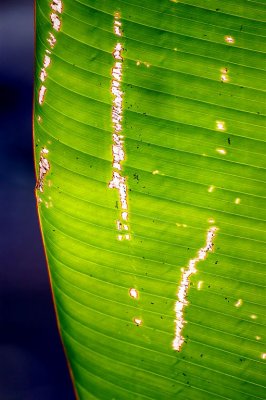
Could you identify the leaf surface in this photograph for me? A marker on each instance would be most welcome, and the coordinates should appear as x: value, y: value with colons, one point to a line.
x: 193, y: 120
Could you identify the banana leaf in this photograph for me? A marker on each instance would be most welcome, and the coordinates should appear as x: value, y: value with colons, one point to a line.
x: 149, y: 139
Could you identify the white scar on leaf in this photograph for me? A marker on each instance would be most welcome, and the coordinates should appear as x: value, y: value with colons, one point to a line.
x: 182, y: 302
x: 56, y: 7
x: 44, y: 167
x: 118, y: 180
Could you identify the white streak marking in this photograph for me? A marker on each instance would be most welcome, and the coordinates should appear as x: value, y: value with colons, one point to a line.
x: 41, y: 94
x: 138, y: 321
x: 229, y: 39
x: 237, y: 200
x: 263, y: 356
x: 55, y: 21
x: 46, y: 61
x: 124, y: 215
x: 211, y: 189
x: 51, y: 40
x: 253, y: 316
x: 56, y: 5
x: 183, y: 288
x: 117, y: 25
x: 118, y: 181
x: 224, y: 78
x: 133, y: 293
x: 220, y: 125
x: 43, y: 74
x: 44, y: 167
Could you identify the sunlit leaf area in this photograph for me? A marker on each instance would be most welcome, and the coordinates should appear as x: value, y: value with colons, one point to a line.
x: 150, y: 155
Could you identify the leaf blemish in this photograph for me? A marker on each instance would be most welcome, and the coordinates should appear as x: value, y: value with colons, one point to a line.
x: 184, y: 285
x: 56, y: 5
x: 55, y: 21
x: 44, y: 167
x: 42, y: 92
x: 133, y: 293
x: 118, y: 154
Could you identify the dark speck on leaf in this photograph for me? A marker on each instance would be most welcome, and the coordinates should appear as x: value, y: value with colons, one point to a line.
x: 229, y: 140
x: 201, y: 355
x: 135, y: 176
x: 116, y: 204
x: 152, y: 303
x: 216, y: 262
x: 217, y: 9
x: 241, y: 27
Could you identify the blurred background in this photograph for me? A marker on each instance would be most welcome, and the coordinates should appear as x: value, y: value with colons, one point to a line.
x: 32, y: 362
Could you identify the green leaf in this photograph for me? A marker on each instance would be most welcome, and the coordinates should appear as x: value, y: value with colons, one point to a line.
x: 191, y: 90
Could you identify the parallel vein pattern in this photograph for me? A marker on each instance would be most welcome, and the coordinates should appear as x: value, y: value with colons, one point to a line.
x: 171, y: 97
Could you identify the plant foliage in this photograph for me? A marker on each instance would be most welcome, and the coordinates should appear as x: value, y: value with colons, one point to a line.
x: 193, y: 124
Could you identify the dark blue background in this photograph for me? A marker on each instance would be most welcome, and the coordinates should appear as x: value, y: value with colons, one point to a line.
x: 32, y: 362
